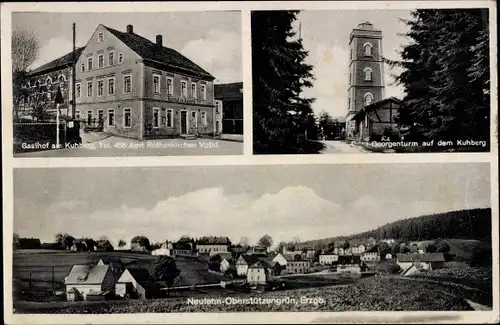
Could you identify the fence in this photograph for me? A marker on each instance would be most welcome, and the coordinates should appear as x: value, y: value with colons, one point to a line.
x: 32, y: 136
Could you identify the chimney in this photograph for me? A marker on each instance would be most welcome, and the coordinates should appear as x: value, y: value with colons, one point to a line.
x: 130, y: 29
x: 159, y: 40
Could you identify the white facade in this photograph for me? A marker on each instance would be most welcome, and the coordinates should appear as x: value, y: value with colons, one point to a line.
x: 370, y: 257
x: 209, y: 248
x: 360, y: 249
x: 121, y: 285
x: 162, y: 252
x: 224, y: 265
x: 328, y: 259
x: 280, y: 259
x: 293, y: 267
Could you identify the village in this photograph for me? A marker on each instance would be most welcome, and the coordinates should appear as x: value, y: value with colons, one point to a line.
x: 237, y: 266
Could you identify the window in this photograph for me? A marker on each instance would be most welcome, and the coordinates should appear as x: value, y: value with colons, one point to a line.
x: 100, y: 87
x: 100, y: 60
x: 204, y: 118
x: 368, y: 74
x: 368, y: 99
x: 170, y: 118
x: 111, y: 117
x: 368, y: 49
x: 156, y: 117
x: 100, y: 37
x: 127, y: 84
x: 78, y: 90
x: 193, y: 117
x: 111, y: 86
x: 89, y: 117
x: 77, y: 115
x: 120, y: 58
x: 203, y: 92
x: 156, y: 83
x: 89, y: 89
x: 366, y: 121
x: 193, y: 90
x: 184, y: 88
x: 100, y: 116
x: 82, y: 68
x: 127, y: 118
x: 218, y: 104
x: 170, y: 86
x: 111, y: 58
x: 89, y: 63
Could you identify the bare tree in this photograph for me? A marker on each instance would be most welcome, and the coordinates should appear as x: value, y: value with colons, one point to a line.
x: 25, y: 49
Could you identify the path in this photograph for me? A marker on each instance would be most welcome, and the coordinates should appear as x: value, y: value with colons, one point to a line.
x: 338, y: 146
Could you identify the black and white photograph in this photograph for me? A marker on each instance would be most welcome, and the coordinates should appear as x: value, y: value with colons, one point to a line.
x: 127, y: 84
x: 364, y: 81
x: 260, y: 238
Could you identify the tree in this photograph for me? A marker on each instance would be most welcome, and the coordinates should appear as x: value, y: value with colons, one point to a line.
x: 165, y: 270
x: 431, y: 248
x: 142, y: 241
x: 443, y: 247
x: 244, y: 241
x: 346, y: 245
x: 281, y: 114
x: 103, y: 237
x: 446, y: 75
x: 328, y: 125
x: 15, y: 240
x: 281, y: 246
x: 64, y: 240
x: 25, y: 50
x: 122, y: 243
x: 266, y: 241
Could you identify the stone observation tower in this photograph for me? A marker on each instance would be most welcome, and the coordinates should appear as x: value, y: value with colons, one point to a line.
x: 366, y: 71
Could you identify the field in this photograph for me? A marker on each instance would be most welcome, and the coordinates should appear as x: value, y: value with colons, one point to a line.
x: 368, y: 294
x: 37, y: 272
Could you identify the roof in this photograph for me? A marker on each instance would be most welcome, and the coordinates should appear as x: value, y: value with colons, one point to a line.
x: 260, y: 264
x: 57, y: 63
x: 250, y: 259
x: 213, y: 241
x: 427, y: 257
x: 226, y: 256
x: 229, y: 91
x: 376, y: 104
x: 163, y: 55
x: 141, y: 275
x: 87, y: 274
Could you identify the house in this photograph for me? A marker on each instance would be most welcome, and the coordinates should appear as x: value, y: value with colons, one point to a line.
x: 138, y: 246
x: 141, y: 89
x: 370, y: 257
x: 47, y: 79
x: 103, y: 246
x: 419, y: 262
x: 377, y: 119
x: 243, y: 263
x: 89, y: 279
x: 370, y: 242
x: 135, y: 283
x: 260, y: 272
x: 229, y: 102
x: 328, y: 259
x: 116, y: 264
x: 350, y: 264
x: 295, y: 266
x: 206, y: 245
x: 83, y: 245
x: 29, y: 243
x: 257, y: 250
x: 358, y: 249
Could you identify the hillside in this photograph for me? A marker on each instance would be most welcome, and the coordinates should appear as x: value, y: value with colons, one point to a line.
x: 474, y: 224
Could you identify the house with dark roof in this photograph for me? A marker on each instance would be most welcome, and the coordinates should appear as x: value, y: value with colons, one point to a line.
x: 140, y: 89
x: 135, y: 283
x: 243, y: 263
x: 45, y: 81
x: 377, y: 120
x: 212, y: 245
x: 261, y: 272
x: 415, y: 262
x: 29, y: 243
x: 229, y: 101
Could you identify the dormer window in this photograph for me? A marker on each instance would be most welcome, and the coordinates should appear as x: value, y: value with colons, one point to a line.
x: 100, y: 38
x: 368, y: 49
x: 368, y: 74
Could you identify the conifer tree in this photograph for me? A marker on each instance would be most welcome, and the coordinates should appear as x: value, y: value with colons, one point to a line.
x: 446, y: 75
x: 280, y: 113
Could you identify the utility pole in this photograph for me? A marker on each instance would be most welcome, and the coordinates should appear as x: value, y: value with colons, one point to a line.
x: 73, y: 76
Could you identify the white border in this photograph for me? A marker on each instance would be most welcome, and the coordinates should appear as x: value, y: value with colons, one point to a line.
x: 247, y: 159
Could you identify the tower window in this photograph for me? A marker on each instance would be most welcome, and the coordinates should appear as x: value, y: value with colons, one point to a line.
x: 368, y: 99
x: 368, y: 74
x: 368, y: 49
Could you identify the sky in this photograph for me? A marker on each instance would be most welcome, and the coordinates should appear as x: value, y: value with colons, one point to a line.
x: 210, y: 39
x: 284, y: 201
x: 326, y: 36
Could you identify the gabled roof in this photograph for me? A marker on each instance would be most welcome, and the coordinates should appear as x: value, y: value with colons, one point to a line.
x: 213, y: 241
x: 260, y: 264
x: 250, y: 259
x: 60, y: 62
x: 225, y: 256
x: 87, y: 274
x: 376, y: 104
x: 229, y: 91
x: 163, y: 55
x: 141, y: 275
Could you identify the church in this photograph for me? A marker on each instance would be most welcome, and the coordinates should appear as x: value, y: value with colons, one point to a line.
x: 370, y: 116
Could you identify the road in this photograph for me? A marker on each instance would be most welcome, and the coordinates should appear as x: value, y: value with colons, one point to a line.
x: 338, y: 146
x: 111, y: 146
